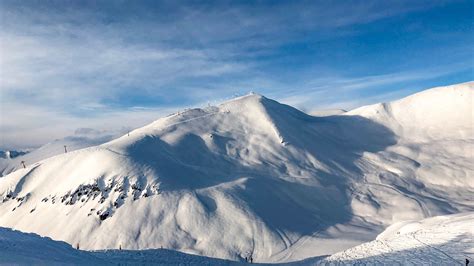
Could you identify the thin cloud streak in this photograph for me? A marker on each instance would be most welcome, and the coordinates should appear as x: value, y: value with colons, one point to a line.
x: 33, y: 126
x: 318, y: 92
x: 69, y: 65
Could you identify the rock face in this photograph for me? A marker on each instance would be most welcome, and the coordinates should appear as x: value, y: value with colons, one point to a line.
x: 254, y: 177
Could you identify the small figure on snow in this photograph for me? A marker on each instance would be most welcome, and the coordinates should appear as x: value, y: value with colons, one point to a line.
x: 467, y: 262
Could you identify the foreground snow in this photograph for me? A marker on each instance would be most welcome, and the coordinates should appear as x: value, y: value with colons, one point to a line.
x: 20, y: 248
x: 442, y: 240
x: 253, y: 177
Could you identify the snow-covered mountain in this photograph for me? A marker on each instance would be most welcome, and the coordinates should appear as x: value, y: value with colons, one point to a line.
x: 327, y: 112
x: 83, y: 138
x: 10, y: 154
x: 253, y: 177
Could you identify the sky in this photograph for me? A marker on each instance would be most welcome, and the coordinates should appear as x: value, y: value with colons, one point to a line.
x: 110, y: 65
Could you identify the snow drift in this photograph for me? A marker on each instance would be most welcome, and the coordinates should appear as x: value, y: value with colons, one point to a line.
x: 253, y: 177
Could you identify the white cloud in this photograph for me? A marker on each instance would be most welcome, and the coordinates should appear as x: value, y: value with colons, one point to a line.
x: 65, y: 67
x: 26, y: 126
x: 342, y: 92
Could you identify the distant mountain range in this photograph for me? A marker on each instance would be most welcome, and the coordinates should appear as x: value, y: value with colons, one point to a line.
x: 11, y: 154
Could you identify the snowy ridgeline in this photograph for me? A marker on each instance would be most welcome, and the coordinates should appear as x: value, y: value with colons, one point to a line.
x: 442, y: 240
x: 17, y: 248
x: 283, y: 185
x: 83, y: 137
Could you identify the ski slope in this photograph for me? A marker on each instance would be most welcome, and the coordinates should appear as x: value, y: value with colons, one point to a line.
x: 441, y: 240
x: 18, y: 248
x: 253, y: 177
x: 72, y: 143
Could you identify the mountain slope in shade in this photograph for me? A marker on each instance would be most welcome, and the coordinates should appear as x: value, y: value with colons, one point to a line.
x: 10, y: 154
x: 18, y: 248
x: 253, y: 177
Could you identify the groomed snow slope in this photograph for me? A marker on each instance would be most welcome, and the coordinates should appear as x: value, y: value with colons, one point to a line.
x: 254, y: 177
x: 441, y: 240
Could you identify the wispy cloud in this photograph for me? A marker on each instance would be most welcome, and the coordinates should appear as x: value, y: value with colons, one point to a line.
x: 319, y: 93
x: 26, y: 126
x: 65, y: 65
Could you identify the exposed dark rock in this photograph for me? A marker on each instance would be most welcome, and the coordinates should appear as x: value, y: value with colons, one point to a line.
x: 103, y: 216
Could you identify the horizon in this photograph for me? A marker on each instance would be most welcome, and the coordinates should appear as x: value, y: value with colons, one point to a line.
x: 113, y: 65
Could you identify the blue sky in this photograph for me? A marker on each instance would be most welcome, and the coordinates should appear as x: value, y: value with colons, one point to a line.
x: 114, y: 64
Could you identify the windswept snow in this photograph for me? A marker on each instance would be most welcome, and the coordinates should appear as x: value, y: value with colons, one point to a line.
x: 441, y: 240
x: 255, y: 177
x: 18, y: 248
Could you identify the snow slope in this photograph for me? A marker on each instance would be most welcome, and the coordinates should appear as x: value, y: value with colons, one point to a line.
x: 442, y: 240
x: 327, y: 112
x: 255, y: 177
x: 72, y: 143
x: 18, y: 248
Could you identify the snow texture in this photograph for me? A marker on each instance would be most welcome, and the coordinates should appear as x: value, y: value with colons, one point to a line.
x: 442, y: 240
x: 17, y: 248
